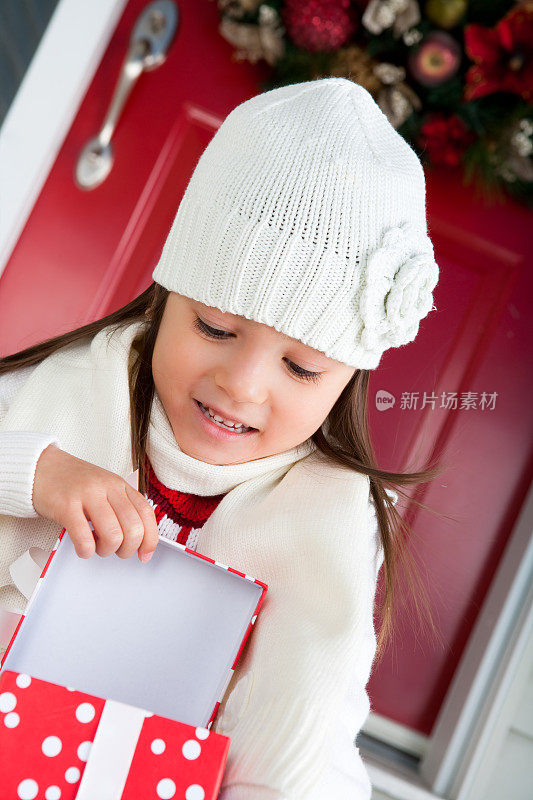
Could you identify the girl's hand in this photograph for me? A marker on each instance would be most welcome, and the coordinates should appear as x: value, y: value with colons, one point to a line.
x: 69, y: 491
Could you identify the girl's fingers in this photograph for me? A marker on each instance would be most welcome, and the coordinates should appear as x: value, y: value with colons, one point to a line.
x: 107, y: 528
x: 146, y: 513
x: 123, y: 521
x: 131, y: 524
x: 77, y: 527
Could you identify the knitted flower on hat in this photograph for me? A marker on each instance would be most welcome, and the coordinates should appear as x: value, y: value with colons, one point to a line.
x: 400, y: 277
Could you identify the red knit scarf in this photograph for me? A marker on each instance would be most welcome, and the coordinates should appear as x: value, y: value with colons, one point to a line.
x: 179, y: 515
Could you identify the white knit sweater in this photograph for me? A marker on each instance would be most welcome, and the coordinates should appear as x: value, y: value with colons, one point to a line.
x: 268, y: 760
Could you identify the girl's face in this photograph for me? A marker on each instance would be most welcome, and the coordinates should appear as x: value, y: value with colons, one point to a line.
x: 250, y: 372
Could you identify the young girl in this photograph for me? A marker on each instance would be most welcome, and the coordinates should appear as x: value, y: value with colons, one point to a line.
x: 237, y: 385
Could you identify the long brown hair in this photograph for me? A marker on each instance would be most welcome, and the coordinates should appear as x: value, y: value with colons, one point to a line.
x: 347, y: 443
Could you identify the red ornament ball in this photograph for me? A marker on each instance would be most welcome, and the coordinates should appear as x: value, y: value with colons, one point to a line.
x: 316, y: 25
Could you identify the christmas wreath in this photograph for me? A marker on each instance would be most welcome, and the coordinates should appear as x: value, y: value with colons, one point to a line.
x: 454, y: 77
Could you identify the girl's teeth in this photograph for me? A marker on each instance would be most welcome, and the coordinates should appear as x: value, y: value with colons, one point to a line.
x: 220, y: 421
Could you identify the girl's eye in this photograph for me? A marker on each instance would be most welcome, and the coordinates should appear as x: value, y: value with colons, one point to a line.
x: 215, y: 333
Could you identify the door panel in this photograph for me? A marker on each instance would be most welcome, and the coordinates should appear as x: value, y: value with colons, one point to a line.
x: 480, y: 339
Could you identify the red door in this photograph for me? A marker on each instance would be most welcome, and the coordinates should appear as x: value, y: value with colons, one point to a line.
x: 463, y: 390
x: 82, y: 254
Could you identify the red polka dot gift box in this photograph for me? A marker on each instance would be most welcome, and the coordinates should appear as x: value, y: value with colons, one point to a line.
x: 55, y: 746
x: 115, y: 673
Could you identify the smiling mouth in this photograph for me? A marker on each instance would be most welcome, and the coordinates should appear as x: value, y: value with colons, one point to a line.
x: 244, y: 428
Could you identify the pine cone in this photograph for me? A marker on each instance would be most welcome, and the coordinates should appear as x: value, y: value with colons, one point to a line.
x: 354, y: 63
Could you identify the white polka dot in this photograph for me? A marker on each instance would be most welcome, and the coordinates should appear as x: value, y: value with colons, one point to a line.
x: 85, y: 712
x: 201, y: 733
x: 194, y: 792
x: 166, y: 789
x: 8, y: 701
x: 52, y: 793
x: 72, y: 775
x: 27, y: 789
x: 83, y: 751
x: 70, y: 689
x: 51, y: 746
x: 158, y: 746
x: 23, y: 681
x: 191, y: 749
x: 11, y: 720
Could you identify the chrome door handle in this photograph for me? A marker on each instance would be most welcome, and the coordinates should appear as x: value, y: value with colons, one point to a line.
x: 149, y: 43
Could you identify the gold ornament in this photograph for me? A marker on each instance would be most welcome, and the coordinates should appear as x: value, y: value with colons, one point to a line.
x: 515, y: 149
x: 395, y: 98
x: 253, y: 42
x: 238, y: 8
x: 445, y: 13
x: 400, y: 15
x: 412, y: 36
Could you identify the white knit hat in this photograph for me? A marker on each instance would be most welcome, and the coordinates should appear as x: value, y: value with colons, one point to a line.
x: 307, y: 212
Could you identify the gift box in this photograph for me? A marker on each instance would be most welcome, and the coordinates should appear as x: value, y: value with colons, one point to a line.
x: 146, y: 650
x: 61, y: 743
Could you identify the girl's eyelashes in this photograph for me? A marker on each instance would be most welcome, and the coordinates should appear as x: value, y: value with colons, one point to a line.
x: 215, y: 333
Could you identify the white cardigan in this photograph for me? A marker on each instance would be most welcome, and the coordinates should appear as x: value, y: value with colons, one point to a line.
x: 297, y: 698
